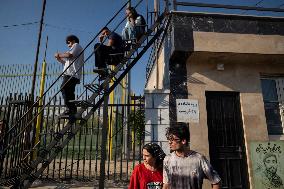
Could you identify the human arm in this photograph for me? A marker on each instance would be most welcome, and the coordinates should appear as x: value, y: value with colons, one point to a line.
x: 210, y: 173
x: 102, y: 37
x: 134, y: 180
x: 63, y: 55
x: 59, y: 56
x: 216, y: 186
x: 165, y: 174
x: 165, y: 186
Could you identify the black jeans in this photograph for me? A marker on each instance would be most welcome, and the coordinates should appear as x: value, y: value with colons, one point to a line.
x: 103, y: 58
x: 68, y: 92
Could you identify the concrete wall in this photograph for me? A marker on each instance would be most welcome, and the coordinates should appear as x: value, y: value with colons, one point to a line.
x: 245, y: 47
x: 157, y: 117
x: 243, y: 57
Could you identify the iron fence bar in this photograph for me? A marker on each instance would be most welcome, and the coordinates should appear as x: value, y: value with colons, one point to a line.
x: 103, y: 141
x: 122, y: 143
x: 91, y: 146
x: 85, y: 144
x: 7, y: 137
x: 140, y: 138
x: 109, y: 141
x: 79, y: 150
x: 116, y: 146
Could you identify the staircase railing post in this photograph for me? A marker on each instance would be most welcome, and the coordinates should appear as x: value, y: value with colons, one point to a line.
x: 103, y: 140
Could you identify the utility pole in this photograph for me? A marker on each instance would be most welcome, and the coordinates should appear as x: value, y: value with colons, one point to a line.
x: 37, y: 51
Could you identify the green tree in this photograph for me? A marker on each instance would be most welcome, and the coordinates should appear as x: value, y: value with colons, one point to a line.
x: 137, y: 124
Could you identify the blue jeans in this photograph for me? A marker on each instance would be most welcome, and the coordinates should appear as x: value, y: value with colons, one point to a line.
x: 128, y: 32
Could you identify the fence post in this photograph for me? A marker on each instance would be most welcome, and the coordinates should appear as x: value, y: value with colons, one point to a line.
x: 110, y: 121
x: 104, y: 138
x: 39, y: 117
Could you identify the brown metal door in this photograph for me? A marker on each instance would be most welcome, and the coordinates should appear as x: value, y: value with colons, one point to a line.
x: 226, y: 139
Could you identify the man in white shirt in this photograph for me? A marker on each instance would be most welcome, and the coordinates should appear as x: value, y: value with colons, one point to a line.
x: 73, y: 61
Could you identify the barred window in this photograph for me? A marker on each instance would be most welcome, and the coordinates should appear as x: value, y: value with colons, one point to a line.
x: 273, y: 97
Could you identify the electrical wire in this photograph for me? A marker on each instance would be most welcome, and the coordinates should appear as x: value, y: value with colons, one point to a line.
x: 65, y: 28
x: 280, y: 5
x: 16, y: 25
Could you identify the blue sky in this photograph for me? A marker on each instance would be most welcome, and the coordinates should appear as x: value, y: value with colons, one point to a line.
x: 83, y: 18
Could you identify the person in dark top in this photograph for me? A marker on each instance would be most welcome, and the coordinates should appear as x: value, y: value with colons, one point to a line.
x: 110, y: 54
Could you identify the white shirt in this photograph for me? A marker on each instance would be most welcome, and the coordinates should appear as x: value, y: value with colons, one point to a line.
x: 75, y: 70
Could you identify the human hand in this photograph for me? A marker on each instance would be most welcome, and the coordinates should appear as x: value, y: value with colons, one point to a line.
x: 130, y: 15
x: 101, y: 37
x: 56, y: 55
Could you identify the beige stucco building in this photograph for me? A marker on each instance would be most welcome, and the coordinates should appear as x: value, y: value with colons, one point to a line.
x: 234, y: 67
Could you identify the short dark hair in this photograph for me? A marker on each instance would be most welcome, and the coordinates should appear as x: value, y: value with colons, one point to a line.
x: 105, y: 28
x: 180, y: 130
x: 133, y: 12
x: 72, y: 38
x: 156, y: 151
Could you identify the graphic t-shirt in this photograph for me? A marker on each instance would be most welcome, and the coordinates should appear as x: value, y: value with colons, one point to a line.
x: 143, y: 178
x: 188, y: 172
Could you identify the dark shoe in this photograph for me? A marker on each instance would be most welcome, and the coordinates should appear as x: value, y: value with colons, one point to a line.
x: 100, y: 71
x: 65, y: 113
x: 102, y: 77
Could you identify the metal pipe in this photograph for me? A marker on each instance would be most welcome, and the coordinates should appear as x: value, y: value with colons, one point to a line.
x: 104, y: 138
x: 42, y: 83
x: 37, y: 50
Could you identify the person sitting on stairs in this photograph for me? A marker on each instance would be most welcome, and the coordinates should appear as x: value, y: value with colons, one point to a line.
x: 110, y: 54
x: 135, y: 25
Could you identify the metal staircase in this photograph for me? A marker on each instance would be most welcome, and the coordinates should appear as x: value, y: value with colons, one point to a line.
x: 29, y: 171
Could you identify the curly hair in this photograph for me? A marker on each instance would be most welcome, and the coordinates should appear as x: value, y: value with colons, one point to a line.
x: 72, y: 38
x: 156, y: 151
x: 180, y: 130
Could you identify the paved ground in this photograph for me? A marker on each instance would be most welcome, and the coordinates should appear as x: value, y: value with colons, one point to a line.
x: 75, y: 185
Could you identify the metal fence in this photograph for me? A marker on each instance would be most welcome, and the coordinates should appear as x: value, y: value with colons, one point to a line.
x: 80, y: 159
x: 17, y: 78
